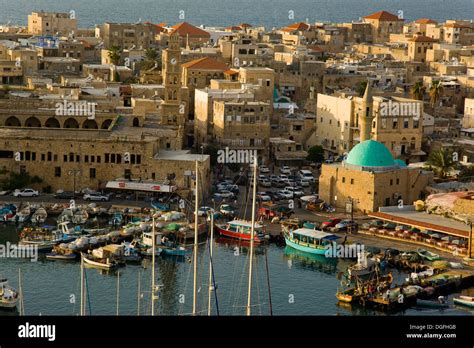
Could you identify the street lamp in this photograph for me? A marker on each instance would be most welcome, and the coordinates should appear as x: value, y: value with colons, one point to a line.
x: 74, y: 172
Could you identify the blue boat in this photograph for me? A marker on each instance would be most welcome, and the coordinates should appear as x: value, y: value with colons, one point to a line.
x: 116, y: 219
x: 160, y: 206
x: 309, y: 241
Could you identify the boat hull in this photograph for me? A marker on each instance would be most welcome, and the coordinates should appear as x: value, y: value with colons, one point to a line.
x: 306, y: 249
x: 236, y: 235
x: 100, y: 265
x: 462, y: 302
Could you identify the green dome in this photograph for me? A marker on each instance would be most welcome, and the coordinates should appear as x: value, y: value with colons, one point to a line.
x: 401, y: 163
x: 370, y: 153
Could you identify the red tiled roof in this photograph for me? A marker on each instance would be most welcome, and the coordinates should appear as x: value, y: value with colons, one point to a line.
x: 231, y: 72
x: 384, y: 16
x: 234, y: 27
x: 185, y: 29
x: 206, y: 63
x: 426, y: 21
x: 454, y: 25
x: 422, y: 38
x: 245, y: 25
x: 315, y: 48
x: 300, y: 26
x: 158, y: 27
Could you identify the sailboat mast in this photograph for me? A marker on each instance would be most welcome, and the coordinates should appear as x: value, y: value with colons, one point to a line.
x: 20, y: 290
x: 196, y: 208
x: 252, y: 235
x: 82, y: 286
x: 153, y: 237
x: 118, y: 292
x: 210, y: 264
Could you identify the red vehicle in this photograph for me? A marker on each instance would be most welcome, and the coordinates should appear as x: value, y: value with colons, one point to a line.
x: 269, y: 211
x: 332, y: 222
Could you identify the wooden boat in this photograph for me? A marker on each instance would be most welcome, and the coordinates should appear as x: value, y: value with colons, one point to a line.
x: 39, y: 216
x: 116, y: 219
x: 432, y: 304
x: 8, y: 295
x: 101, y: 263
x: 428, y: 255
x: 42, y: 238
x: 309, y: 240
x: 24, y: 214
x: 66, y: 215
x: 241, y: 229
x: 467, y: 301
x: 364, y: 266
x: 174, y: 250
x: 60, y: 256
x: 349, y: 295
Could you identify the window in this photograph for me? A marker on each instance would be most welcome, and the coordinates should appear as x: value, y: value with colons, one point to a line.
x: 405, y: 123
x: 391, y: 182
x: 398, y: 181
x: 57, y: 172
x: 343, y: 179
x: 92, y: 173
x: 394, y: 123
x: 352, y: 181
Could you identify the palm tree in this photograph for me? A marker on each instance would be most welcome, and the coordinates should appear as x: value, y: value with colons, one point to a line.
x: 436, y: 90
x: 441, y: 162
x: 152, y: 58
x: 115, y: 54
x: 360, y: 89
x: 418, y: 90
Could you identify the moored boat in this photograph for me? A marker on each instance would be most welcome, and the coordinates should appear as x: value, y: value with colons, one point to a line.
x: 241, y: 229
x: 428, y: 255
x: 96, y: 261
x: 309, y: 240
x: 39, y: 216
x: 24, y: 214
x: 60, y: 256
x: 8, y: 213
x: 8, y: 295
x: 467, y: 301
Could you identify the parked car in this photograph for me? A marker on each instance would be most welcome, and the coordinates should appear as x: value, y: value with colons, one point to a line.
x: 64, y: 195
x: 285, y: 194
x: 280, y: 183
x: 285, y: 170
x: 303, y: 183
x: 264, y: 169
x: 274, y: 178
x: 264, y: 197
x: 227, y: 210
x: 95, y: 196
x: 223, y: 194
x: 332, y: 222
x: 296, y: 191
x: 204, y: 210
x: 306, y: 175
x: 27, y: 192
x: 346, y: 225
x: 266, y: 183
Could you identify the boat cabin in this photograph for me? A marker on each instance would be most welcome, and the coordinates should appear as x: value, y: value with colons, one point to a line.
x: 311, y: 237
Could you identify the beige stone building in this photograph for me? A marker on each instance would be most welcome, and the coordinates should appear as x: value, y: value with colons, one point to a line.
x: 51, y: 23
x: 127, y: 35
x: 383, y: 24
x: 418, y: 47
x: 371, y: 178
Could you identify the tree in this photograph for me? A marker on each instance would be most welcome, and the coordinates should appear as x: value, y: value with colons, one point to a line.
x: 466, y: 174
x: 418, y: 90
x: 115, y: 54
x: 436, y: 90
x: 441, y: 162
x: 17, y: 180
x: 361, y: 87
x: 152, y: 58
x: 315, y: 154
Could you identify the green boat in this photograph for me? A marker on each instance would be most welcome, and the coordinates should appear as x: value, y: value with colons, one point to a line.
x: 467, y: 301
x: 309, y: 241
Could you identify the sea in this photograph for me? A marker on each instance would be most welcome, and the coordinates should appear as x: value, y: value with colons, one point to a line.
x: 268, y: 13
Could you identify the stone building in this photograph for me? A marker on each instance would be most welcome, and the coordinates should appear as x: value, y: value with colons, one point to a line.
x: 371, y: 178
x: 383, y: 24
x: 50, y: 23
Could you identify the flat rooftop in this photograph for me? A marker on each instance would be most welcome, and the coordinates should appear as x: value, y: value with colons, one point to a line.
x: 422, y: 220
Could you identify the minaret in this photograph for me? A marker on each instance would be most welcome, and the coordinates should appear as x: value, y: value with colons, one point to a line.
x: 365, y: 120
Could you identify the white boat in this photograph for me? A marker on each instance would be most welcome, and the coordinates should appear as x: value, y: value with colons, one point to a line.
x: 66, y: 215
x: 8, y: 295
x: 97, y: 262
x: 39, y: 216
x: 24, y: 214
x: 80, y: 216
x: 363, y: 267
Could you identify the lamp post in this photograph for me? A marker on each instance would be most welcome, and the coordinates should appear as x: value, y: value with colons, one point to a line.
x: 74, y: 172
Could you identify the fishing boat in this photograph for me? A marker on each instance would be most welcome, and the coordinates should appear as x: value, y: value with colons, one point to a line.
x: 39, y: 216
x: 467, y: 301
x: 80, y: 216
x: 8, y: 213
x: 8, y: 295
x: 116, y: 219
x: 428, y: 255
x: 66, y: 215
x: 61, y: 256
x: 309, y: 240
x: 364, y: 266
x: 24, y: 214
x: 99, y: 259
x: 241, y: 229
x: 42, y: 238
x: 439, y: 304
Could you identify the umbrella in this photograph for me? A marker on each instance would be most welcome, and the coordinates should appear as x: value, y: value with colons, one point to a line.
x: 435, y: 236
x: 447, y: 238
